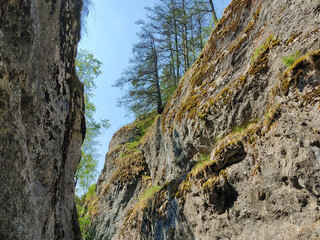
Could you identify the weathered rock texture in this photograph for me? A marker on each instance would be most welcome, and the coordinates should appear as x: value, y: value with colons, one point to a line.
x: 258, y: 122
x: 41, y: 118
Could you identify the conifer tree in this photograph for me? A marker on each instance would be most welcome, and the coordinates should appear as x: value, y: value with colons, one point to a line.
x: 142, y: 75
x: 170, y: 41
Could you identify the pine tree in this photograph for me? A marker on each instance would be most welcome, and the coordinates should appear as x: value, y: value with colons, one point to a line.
x: 169, y: 42
x: 142, y: 75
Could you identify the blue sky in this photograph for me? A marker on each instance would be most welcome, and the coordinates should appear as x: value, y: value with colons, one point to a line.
x: 111, y: 33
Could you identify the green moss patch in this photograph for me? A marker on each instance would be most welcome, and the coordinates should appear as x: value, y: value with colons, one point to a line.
x: 208, y: 61
x: 149, y: 193
x: 144, y: 201
x: 290, y: 60
x: 130, y: 165
x: 290, y: 77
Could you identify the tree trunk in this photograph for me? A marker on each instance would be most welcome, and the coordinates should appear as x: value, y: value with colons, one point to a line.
x: 214, y: 15
x: 156, y: 71
x: 200, y: 33
x: 172, y: 64
x: 185, y: 38
x: 175, y: 26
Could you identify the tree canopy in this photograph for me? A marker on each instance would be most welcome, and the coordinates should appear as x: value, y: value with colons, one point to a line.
x: 88, y: 69
x: 170, y: 40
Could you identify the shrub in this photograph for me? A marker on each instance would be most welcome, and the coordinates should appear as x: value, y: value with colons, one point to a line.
x: 263, y: 47
x: 204, y: 158
x: 290, y: 60
x: 239, y: 129
x: 144, y: 121
x: 257, y: 52
x: 149, y: 193
x: 133, y: 145
x: 86, y: 209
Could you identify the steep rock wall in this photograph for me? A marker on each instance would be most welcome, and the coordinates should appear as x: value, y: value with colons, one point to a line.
x: 236, y: 153
x: 41, y: 118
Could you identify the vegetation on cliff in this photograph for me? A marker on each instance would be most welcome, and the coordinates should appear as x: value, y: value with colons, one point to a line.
x: 237, y: 143
x: 169, y: 42
x: 86, y: 210
x: 88, y: 68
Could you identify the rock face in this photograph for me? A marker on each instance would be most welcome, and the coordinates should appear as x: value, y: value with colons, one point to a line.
x: 41, y: 118
x: 236, y: 152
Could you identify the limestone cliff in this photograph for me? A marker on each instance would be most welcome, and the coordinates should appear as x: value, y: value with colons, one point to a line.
x: 41, y: 118
x: 236, y: 153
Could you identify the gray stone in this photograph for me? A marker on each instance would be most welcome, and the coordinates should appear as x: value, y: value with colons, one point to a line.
x: 263, y: 177
x: 41, y: 119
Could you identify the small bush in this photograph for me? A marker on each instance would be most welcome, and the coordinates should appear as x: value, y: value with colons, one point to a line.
x: 257, y: 52
x: 86, y: 209
x: 262, y: 48
x: 244, y: 127
x: 204, y: 158
x: 133, y: 145
x: 144, y: 121
x: 149, y: 193
x: 290, y: 60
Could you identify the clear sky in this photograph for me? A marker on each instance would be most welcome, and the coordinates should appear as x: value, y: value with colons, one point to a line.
x: 111, y: 33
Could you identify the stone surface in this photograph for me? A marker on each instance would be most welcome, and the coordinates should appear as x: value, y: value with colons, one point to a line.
x: 124, y: 135
x: 256, y: 120
x: 41, y: 119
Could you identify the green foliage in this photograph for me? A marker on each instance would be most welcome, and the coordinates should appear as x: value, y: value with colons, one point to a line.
x: 85, y: 208
x: 133, y: 145
x: 149, y: 193
x: 168, y: 85
x: 86, y: 171
x: 144, y: 200
x: 262, y: 48
x: 239, y: 129
x: 217, y: 139
x: 208, y: 29
x: 144, y: 121
x: 204, y: 158
x: 88, y: 69
x: 258, y: 51
x: 91, y: 191
x: 170, y: 41
x: 290, y: 60
x: 216, y: 21
x: 142, y: 75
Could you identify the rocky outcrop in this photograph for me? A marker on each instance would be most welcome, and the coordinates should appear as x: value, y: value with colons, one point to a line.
x: 236, y: 152
x: 41, y: 119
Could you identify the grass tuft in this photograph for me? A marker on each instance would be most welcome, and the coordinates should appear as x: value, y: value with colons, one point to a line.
x: 204, y: 158
x: 290, y: 60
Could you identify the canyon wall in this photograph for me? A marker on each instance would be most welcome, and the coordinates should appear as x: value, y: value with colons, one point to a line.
x: 41, y: 118
x: 236, y: 152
